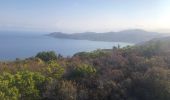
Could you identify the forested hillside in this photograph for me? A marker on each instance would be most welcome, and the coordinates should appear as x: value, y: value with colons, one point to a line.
x: 129, y: 36
x: 130, y: 73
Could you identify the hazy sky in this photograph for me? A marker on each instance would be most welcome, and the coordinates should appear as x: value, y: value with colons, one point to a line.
x: 84, y: 15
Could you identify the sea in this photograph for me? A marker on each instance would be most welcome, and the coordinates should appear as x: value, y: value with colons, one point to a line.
x: 24, y: 44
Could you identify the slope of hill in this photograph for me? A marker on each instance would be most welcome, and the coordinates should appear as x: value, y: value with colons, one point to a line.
x: 130, y: 36
x: 161, y: 44
x: 119, y: 74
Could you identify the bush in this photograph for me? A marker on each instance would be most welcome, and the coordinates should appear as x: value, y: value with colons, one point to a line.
x: 7, y: 90
x: 54, y: 70
x: 65, y: 90
x: 83, y: 70
x: 22, y: 85
x: 47, y: 56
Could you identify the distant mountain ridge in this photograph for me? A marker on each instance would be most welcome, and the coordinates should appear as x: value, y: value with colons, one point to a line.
x: 129, y: 36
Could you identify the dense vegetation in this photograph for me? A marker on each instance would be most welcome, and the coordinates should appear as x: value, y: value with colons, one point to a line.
x: 131, y: 73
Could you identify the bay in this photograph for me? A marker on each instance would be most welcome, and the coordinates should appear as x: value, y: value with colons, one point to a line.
x: 22, y: 46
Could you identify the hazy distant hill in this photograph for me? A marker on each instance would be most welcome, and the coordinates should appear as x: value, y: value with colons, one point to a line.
x: 162, y: 44
x: 130, y: 36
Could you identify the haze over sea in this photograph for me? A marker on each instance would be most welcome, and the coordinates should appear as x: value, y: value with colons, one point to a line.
x: 22, y: 45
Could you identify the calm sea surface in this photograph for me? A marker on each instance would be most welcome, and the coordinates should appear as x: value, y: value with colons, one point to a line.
x: 14, y: 46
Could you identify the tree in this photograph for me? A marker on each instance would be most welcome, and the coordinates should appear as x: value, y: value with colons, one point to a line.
x: 47, y: 56
x: 7, y: 90
x: 23, y: 85
x: 54, y: 70
x: 65, y: 90
x: 83, y: 70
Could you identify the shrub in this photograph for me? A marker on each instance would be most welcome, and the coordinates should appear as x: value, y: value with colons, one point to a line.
x: 47, y: 56
x: 65, y: 90
x: 7, y: 90
x: 83, y: 70
x: 54, y: 70
x: 22, y: 85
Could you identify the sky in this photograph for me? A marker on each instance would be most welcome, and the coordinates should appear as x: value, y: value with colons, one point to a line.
x: 84, y: 15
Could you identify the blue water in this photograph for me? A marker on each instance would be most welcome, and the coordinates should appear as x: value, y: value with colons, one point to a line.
x: 22, y: 46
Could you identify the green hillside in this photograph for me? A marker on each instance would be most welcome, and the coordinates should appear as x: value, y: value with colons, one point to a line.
x: 130, y: 73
